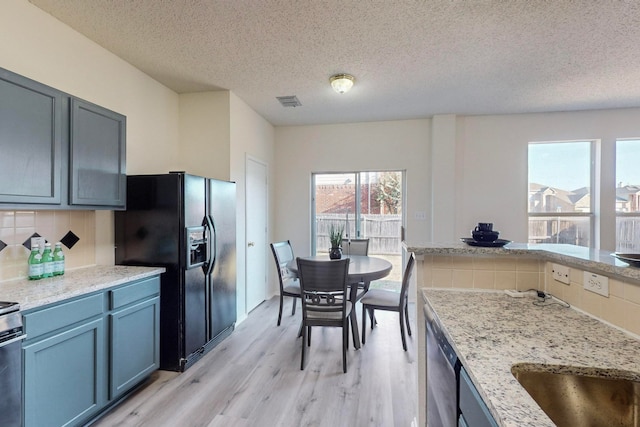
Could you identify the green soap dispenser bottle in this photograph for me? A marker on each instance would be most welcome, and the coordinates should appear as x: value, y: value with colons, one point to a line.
x: 58, y: 260
x: 36, y: 268
x: 47, y: 261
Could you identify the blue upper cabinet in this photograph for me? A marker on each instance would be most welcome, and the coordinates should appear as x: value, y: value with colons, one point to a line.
x: 57, y: 151
x: 31, y: 127
x: 97, y: 171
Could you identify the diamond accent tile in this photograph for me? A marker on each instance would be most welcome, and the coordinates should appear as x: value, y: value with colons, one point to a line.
x: 2, y: 245
x: 27, y: 243
x: 69, y: 239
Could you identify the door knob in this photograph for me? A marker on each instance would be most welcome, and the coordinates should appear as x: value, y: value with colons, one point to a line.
x: 251, y: 244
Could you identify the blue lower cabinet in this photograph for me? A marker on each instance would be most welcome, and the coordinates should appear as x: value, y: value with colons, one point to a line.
x: 135, y: 332
x: 82, y: 354
x: 64, y: 380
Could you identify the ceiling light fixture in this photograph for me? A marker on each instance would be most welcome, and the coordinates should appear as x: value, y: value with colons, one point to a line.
x: 342, y: 83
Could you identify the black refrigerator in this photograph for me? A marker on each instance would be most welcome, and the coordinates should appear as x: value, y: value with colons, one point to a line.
x: 187, y: 224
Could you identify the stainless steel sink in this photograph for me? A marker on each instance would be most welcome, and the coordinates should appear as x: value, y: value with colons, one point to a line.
x: 582, y: 397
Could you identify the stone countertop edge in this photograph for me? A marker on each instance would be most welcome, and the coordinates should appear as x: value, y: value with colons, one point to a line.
x: 598, y: 261
x: 491, y: 332
x: 32, y: 294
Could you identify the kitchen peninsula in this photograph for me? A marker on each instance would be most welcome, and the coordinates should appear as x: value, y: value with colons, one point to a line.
x: 468, y: 273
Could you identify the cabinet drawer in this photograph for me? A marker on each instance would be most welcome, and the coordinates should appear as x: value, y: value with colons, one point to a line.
x: 49, y: 319
x: 473, y: 409
x: 134, y: 292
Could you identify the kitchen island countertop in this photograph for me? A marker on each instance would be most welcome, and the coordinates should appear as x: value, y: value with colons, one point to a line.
x: 492, y: 331
x: 595, y: 260
x: 36, y: 293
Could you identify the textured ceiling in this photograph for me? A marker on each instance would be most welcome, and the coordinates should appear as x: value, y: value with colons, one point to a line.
x: 411, y: 59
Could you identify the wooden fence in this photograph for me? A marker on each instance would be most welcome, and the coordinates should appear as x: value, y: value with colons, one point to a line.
x: 574, y: 231
x: 628, y: 234
x: 383, y: 231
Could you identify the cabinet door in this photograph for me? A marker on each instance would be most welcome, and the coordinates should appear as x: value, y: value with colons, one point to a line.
x: 31, y: 117
x: 135, y: 345
x: 98, y: 176
x: 64, y: 376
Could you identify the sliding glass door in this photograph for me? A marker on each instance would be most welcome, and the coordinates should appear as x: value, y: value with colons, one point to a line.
x: 369, y: 205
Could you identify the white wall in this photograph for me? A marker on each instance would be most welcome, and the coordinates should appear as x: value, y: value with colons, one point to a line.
x: 205, y: 134
x: 489, y: 179
x: 376, y: 146
x: 251, y: 135
x: 38, y: 46
x: 164, y: 129
x: 217, y: 131
x: 491, y: 184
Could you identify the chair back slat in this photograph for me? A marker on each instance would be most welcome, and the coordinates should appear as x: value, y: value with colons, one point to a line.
x: 283, y: 254
x: 324, y: 287
x: 355, y: 247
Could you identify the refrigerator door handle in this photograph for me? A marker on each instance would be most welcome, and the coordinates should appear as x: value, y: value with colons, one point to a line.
x: 211, y: 245
x: 214, y: 241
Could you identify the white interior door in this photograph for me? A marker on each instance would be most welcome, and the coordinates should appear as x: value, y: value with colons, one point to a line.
x: 256, y: 233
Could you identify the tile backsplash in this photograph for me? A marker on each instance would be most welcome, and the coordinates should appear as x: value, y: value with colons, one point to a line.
x: 482, y: 272
x: 620, y: 308
x: 17, y: 226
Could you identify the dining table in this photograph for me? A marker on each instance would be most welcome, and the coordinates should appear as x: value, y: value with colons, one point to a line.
x: 362, y: 269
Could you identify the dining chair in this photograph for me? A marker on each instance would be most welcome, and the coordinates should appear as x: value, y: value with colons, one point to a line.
x: 382, y: 299
x: 355, y: 247
x: 289, y: 283
x: 325, y: 301
x: 358, y: 247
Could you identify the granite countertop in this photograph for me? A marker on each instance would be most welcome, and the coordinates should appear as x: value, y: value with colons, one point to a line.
x: 595, y: 260
x: 36, y: 293
x: 492, y: 331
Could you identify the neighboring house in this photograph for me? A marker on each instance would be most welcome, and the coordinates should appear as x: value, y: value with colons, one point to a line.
x: 628, y: 198
x: 581, y: 199
x: 340, y: 199
x: 543, y: 198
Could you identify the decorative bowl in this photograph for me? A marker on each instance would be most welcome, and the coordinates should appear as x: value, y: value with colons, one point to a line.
x: 485, y: 236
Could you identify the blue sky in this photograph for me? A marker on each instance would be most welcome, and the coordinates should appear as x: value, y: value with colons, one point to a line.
x: 561, y: 165
x: 628, y: 162
x: 566, y: 165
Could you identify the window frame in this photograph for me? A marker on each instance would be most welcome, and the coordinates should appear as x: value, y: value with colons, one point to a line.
x: 593, y: 189
x: 620, y: 214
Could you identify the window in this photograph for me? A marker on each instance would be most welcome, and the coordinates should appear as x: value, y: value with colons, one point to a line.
x: 368, y: 205
x: 627, y: 195
x: 560, y: 183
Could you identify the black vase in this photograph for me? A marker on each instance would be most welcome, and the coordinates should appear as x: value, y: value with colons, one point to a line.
x: 335, y: 253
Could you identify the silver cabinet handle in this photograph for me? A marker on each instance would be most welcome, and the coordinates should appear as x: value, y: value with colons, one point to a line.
x: 251, y: 244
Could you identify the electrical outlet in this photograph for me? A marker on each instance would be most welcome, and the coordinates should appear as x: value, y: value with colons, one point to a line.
x: 596, y: 283
x: 560, y: 273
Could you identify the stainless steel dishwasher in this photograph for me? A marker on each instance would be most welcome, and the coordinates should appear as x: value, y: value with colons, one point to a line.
x: 443, y: 368
x: 11, y: 336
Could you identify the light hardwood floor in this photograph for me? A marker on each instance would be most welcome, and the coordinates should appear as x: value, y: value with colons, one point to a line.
x: 253, y: 378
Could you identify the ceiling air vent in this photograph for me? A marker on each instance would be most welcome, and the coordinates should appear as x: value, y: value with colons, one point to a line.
x: 289, y: 101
